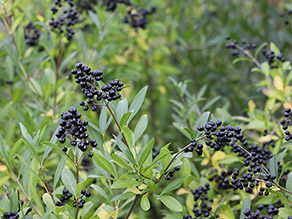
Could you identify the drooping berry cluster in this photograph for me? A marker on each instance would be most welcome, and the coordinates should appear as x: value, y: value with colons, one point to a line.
x: 258, y: 213
x: 170, y: 174
x: 272, y: 58
x: 203, y: 205
x: 286, y: 16
x: 66, y: 197
x: 65, y: 19
x: 31, y: 34
x: 233, y: 45
x: 72, y: 127
x: 285, y: 123
x: 87, y: 80
x: 81, y: 201
x: 138, y: 18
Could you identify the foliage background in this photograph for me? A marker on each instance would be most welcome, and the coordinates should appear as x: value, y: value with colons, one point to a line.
x: 184, y: 41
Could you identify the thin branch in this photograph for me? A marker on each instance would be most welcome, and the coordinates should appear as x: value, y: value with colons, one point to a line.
x: 22, y: 189
x: 47, y: 185
x: 245, y: 52
x: 132, y: 206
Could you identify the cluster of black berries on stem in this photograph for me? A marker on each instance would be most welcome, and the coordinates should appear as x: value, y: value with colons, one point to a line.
x: 81, y: 200
x: 63, y: 199
x: 203, y: 205
x: 234, y: 45
x: 285, y: 123
x: 31, y: 34
x: 67, y: 17
x: 286, y: 16
x: 88, y: 79
x: 72, y: 127
x: 272, y: 58
x: 248, y: 214
x: 138, y: 18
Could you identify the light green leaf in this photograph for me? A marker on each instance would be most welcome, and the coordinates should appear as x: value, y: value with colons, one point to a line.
x: 141, y: 126
x: 173, y: 185
x: 129, y: 135
x: 137, y: 102
x: 171, y: 203
x: 145, y: 203
x: 145, y: 152
x: 69, y: 180
x: 245, y: 205
x: 104, y: 164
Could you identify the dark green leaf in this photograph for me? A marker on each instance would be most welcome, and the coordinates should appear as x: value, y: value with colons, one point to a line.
x: 173, y: 185
x: 245, y: 205
x: 145, y: 152
x: 104, y: 164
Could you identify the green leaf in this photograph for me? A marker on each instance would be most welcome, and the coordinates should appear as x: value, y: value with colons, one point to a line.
x: 282, y: 155
x: 4, y: 153
x: 125, y: 118
x: 273, y: 166
x: 120, y: 161
x: 145, y: 152
x: 15, y: 148
x: 125, y: 150
x: 103, y: 119
x: 245, y: 205
x: 141, y: 126
x: 125, y: 181
x: 102, y: 192
x: 25, y: 133
x: 59, y: 170
x: 286, y: 144
x: 95, y: 19
x: 145, y: 203
x: 104, y: 164
x: 201, y: 121
x: 48, y: 201
x: 173, y: 185
x: 171, y: 203
x: 129, y: 135
x: 31, y: 149
x: 137, y: 102
x: 123, y: 196
x: 66, y: 61
x: 122, y: 108
x: 289, y: 182
x: 164, y: 152
x: 69, y: 180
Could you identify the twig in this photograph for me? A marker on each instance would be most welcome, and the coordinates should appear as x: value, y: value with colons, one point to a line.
x: 22, y: 189
x: 176, y: 155
x: 47, y: 185
x: 117, y: 123
x: 132, y: 206
x: 244, y: 51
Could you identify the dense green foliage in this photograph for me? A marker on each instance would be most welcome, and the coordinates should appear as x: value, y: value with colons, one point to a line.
x: 177, y: 74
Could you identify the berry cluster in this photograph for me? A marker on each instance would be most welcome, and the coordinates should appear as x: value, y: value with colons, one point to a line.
x: 66, y: 197
x: 272, y: 58
x: 270, y: 212
x: 203, y: 205
x: 81, y: 198
x: 111, y: 5
x: 67, y: 17
x: 285, y: 123
x: 87, y: 80
x: 11, y: 215
x: 286, y: 16
x: 170, y: 174
x: 73, y: 128
x: 234, y: 44
x: 31, y: 34
x: 86, y: 5
x: 138, y: 18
